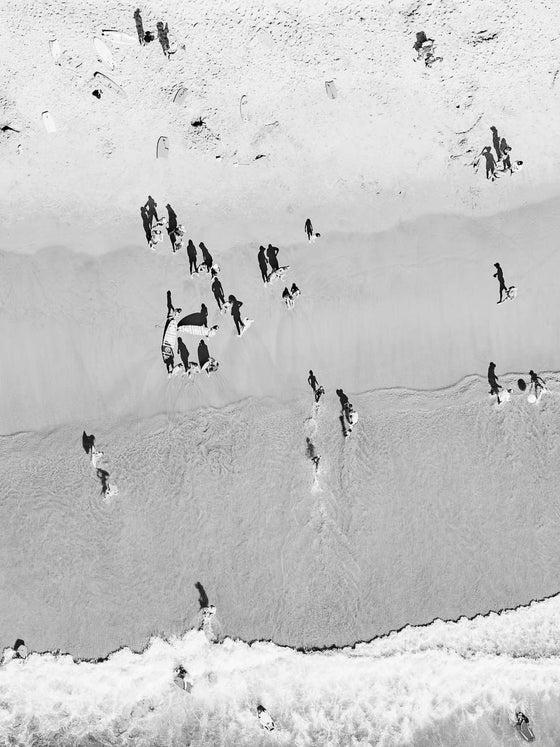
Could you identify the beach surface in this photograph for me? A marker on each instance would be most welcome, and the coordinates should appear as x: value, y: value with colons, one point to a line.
x: 439, y: 504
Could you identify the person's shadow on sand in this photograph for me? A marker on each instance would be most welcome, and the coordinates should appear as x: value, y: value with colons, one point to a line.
x: 146, y: 222
x: 171, y: 224
x: 490, y: 162
x: 203, y: 353
x: 202, y: 595
x: 183, y: 353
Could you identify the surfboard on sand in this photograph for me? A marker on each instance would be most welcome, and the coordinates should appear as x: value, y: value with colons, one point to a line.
x: 49, y: 122
x: 117, y: 37
x: 103, y: 53
x: 180, y: 95
x: 56, y: 50
x: 162, y: 148
x: 243, y: 111
x: 106, y: 83
x: 330, y: 89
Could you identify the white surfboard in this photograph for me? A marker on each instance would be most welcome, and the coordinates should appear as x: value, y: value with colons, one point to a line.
x: 49, y: 122
x: 330, y: 88
x: 117, y: 37
x: 243, y: 110
x: 107, y: 83
x: 103, y: 53
x: 180, y: 95
x: 246, y: 324
x: 56, y: 49
x: 162, y: 147
x: 198, y: 330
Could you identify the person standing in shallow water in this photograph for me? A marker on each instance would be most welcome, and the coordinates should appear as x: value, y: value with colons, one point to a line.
x: 263, y: 266
x: 217, y: 290
x: 312, y: 381
x: 236, y: 313
x: 537, y: 382
x: 309, y: 229
x: 272, y: 253
x: 500, y: 275
x: 493, y: 381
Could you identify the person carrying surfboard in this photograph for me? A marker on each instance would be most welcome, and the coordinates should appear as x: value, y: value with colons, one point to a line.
x: 537, y: 382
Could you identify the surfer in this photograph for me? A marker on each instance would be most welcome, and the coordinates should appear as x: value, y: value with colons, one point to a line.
x: 295, y: 291
x: 191, y: 254
x: 287, y: 298
x: 312, y: 380
x: 217, y: 290
x: 493, y: 381
x: 20, y: 649
x: 500, y: 275
x: 265, y: 718
x: 309, y: 229
x: 537, y: 382
x: 262, y: 264
x: 319, y: 393
x: 236, y: 313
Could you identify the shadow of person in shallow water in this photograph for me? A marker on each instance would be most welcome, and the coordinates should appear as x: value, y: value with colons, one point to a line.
x: 146, y: 223
x: 202, y: 595
x: 207, y: 259
x: 171, y: 224
x: 183, y: 353
x: 151, y: 209
x: 203, y: 353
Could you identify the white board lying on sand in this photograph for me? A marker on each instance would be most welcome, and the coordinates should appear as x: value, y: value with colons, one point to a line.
x: 162, y: 148
x: 106, y: 82
x: 117, y: 37
x: 56, y: 49
x: 103, y: 53
x: 243, y: 111
x: 199, y: 331
x: 49, y: 122
x: 180, y: 95
x: 330, y: 89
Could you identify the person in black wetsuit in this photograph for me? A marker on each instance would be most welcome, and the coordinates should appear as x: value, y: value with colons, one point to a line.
x: 312, y: 381
x: 191, y: 254
x: 263, y: 266
x: 500, y: 275
x: 536, y: 382
x: 272, y: 253
x: 236, y: 313
x: 217, y: 290
x: 207, y: 259
x: 493, y: 381
x: 309, y: 229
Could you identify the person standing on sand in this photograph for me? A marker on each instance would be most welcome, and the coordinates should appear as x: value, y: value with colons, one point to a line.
x: 493, y: 381
x: 263, y: 264
x: 309, y: 229
x: 191, y: 254
x: 500, y: 275
x: 236, y: 313
x: 217, y: 290
x: 271, y: 253
x: 139, y: 26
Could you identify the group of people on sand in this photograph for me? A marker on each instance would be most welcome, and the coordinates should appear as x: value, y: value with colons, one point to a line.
x: 503, y: 157
x: 537, y: 384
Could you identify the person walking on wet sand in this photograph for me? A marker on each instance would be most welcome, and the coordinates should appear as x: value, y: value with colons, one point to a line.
x: 493, y: 381
x: 263, y: 266
x: 236, y: 313
x: 271, y: 253
x: 217, y: 290
x: 503, y: 287
x: 191, y: 254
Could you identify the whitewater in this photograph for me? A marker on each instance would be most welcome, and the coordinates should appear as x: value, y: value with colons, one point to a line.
x: 448, y: 683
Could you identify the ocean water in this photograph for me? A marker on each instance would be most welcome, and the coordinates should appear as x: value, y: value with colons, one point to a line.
x: 454, y: 683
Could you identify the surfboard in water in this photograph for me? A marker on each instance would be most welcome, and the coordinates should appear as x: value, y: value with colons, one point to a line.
x: 243, y: 110
x: 103, y: 53
x: 162, y: 148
